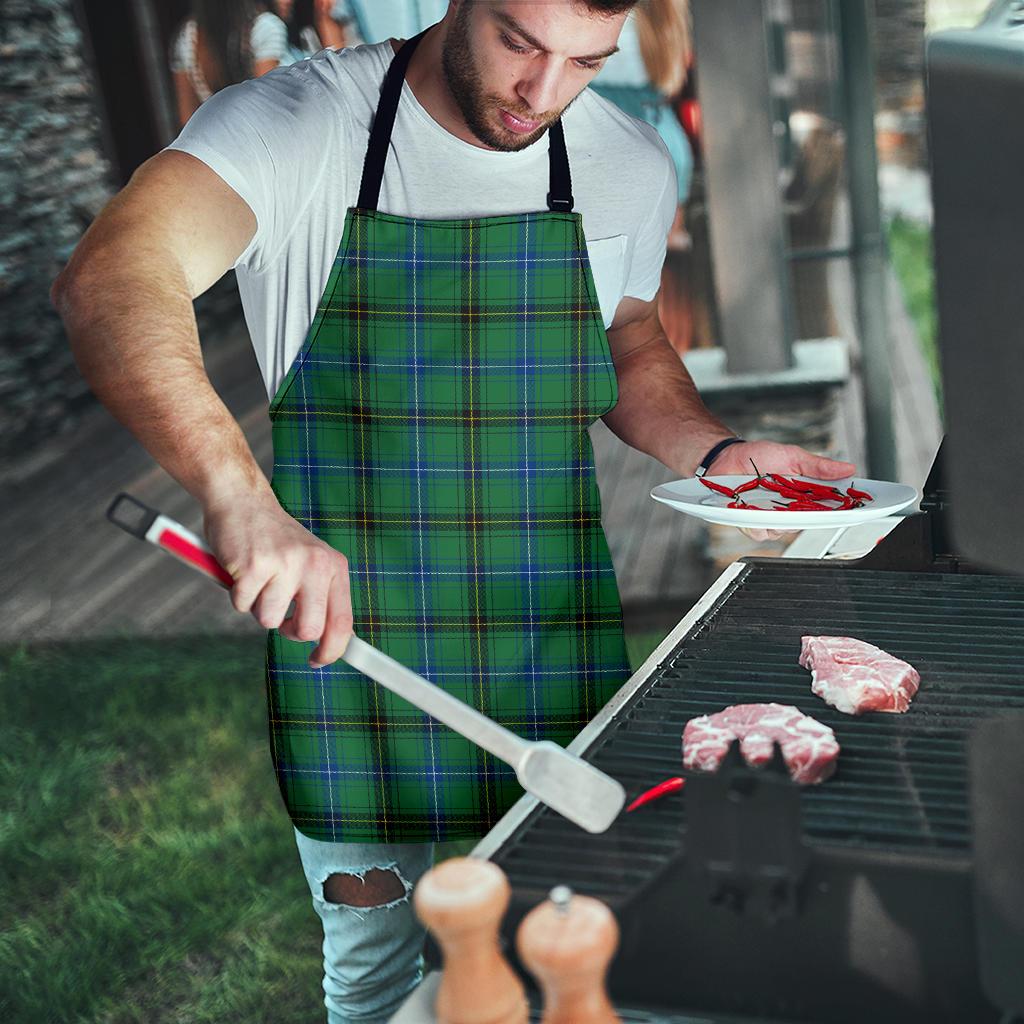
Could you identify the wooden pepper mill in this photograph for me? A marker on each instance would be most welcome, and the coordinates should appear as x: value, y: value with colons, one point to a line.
x: 462, y: 902
x: 567, y: 943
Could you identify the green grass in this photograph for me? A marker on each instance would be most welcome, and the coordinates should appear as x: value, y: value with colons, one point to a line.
x: 910, y: 248
x: 149, y: 869
x: 149, y: 872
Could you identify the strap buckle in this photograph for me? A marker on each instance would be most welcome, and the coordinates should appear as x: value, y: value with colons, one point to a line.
x: 558, y: 205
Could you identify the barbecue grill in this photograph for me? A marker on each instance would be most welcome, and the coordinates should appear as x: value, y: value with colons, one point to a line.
x: 895, y: 890
x: 746, y: 896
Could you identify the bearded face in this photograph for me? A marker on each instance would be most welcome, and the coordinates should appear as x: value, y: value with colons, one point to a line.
x: 492, y: 65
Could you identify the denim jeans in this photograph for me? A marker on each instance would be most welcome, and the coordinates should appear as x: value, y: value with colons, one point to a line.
x: 373, y: 956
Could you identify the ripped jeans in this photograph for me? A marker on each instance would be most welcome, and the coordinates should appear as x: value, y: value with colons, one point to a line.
x: 373, y: 955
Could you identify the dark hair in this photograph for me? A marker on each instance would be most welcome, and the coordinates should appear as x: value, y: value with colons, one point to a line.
x: 301, y: 17
x: 609, y: 7
x: 225, y: 26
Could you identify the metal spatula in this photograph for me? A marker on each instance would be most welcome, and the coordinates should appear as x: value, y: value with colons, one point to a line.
x: 568, y: 785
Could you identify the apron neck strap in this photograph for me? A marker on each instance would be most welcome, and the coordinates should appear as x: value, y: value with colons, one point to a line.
x: 383, y: 122
x: 560, y: 185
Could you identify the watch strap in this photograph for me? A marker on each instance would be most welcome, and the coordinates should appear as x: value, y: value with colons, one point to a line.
x: 705, y: 463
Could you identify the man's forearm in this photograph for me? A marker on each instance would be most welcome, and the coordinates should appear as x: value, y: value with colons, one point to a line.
x: 660, y: 411
x: 133, y: 334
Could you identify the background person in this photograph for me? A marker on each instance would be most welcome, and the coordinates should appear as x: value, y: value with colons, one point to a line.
x: 647, y: 75
x: 313, y: 25
x: 221, y: 43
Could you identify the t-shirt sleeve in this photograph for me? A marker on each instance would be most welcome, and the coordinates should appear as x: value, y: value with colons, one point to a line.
x: 652, y: 238
x: 269, y: 139
x: 269, y: 38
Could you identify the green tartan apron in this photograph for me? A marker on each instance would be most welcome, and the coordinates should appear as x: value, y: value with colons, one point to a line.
x: 433, y: 429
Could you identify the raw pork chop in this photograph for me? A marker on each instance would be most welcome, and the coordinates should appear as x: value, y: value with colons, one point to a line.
x: 808, y: 747
x: 855, y: 677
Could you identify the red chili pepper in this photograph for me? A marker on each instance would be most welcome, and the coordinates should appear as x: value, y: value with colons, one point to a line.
x: 661, y: 789
x: 786, y: 492
x: 750, y: 485
x: 717, y: 487
x: 862, y: 495
x: 809, y: 487
x: 807, y: 505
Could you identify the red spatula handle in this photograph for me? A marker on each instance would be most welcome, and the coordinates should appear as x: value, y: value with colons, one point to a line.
x: 147, y: 524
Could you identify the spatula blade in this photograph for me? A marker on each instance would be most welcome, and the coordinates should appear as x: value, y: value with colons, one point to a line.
x: 571, y: 786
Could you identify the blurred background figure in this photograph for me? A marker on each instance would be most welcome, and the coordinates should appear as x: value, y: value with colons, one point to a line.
x: 375, y: 20
x: 646, y: 76
x: 314, y: 25
x: 646, y: 79
x: 223, y: 42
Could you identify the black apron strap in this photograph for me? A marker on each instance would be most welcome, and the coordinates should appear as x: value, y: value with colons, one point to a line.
x: 383, y: 122
x: 559, y: 187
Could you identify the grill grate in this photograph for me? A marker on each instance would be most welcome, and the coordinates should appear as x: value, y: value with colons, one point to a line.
x: 901, y: 784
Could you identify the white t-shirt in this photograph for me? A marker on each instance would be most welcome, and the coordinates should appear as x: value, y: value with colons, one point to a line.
x: 292, y: 143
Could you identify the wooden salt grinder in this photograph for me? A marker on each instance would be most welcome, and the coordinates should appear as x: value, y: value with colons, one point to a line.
x: 567, y: 943
x: 462, y: 901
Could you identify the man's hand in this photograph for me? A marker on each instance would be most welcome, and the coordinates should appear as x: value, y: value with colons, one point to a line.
x: 771, y: 457
x: 274, y: 560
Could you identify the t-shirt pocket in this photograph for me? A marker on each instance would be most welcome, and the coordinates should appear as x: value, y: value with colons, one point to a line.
x: 608, y: 266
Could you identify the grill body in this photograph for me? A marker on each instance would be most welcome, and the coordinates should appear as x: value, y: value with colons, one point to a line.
x: 870, y: 908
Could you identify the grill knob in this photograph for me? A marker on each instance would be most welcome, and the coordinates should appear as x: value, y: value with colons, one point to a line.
x: 462, y: 902
x: 567, y: 943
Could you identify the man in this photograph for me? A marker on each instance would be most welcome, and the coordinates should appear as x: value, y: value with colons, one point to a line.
x: 433, y: 475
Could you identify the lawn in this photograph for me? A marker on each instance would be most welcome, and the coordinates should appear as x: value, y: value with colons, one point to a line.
x: 910, y: 248
x: 149, y: 870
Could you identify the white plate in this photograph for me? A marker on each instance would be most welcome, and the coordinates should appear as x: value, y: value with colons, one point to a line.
x: 693, y: 498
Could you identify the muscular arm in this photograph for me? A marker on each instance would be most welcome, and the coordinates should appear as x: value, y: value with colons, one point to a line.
x: 126, y: 301
x: 659, y: 410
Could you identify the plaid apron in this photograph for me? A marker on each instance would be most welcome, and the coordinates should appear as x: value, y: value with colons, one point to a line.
x: 433, y: 429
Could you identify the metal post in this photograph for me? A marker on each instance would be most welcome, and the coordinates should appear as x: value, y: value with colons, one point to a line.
x: 857, y: 70
x: 742, y: 174
x: 154, y: 63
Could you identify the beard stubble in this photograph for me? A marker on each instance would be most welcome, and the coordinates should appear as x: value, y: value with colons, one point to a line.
x: 479, y: 108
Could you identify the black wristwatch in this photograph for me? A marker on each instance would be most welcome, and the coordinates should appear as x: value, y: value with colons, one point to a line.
x: 705, y: 463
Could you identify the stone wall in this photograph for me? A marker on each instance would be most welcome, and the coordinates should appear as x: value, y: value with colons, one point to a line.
x: 54, y: 178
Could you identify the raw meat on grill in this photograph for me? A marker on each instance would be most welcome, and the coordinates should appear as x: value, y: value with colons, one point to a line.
x: 808, y: 747
x: 855, y: 677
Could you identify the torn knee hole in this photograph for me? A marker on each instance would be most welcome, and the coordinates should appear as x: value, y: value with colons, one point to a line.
x: 374, y: 889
